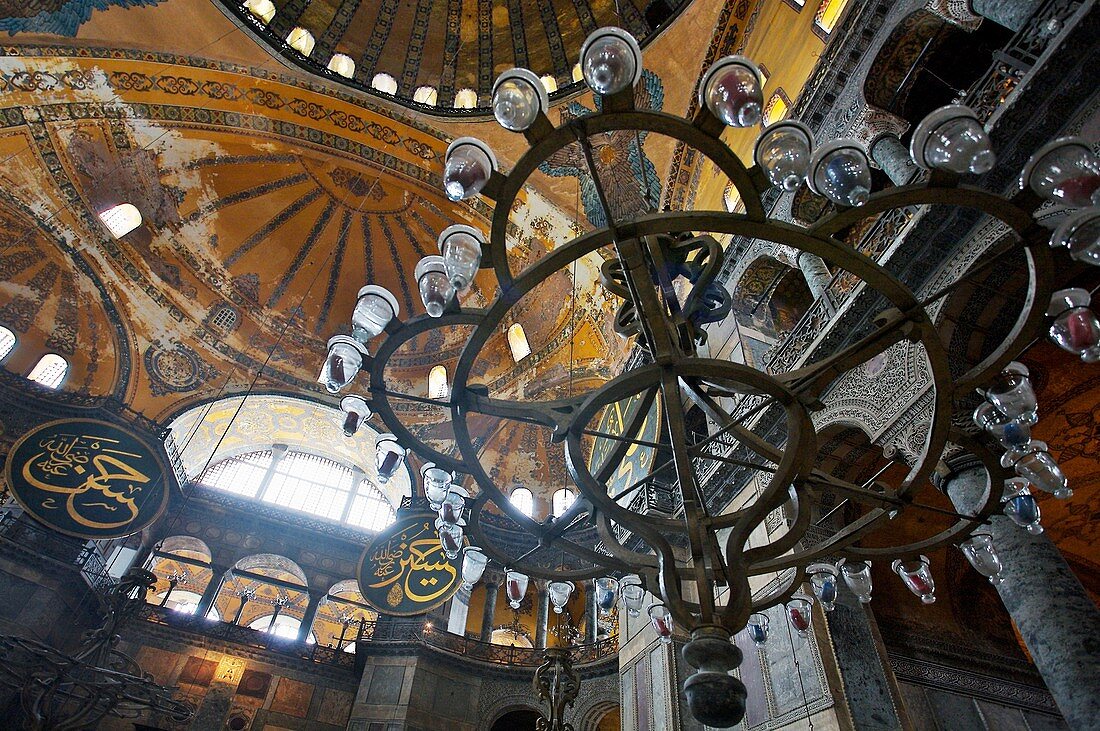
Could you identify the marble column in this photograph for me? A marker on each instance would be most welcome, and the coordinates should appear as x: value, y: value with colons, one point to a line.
x: 893, y: 157
x: 487, y: 618
x: 315, y: 599
x: 868, y: 682
x: 1012, y: 14
x: 592, y: 614
x: 210, y: 593
x: 1059, y: 623
x: 543, y: 616
x: 459, y: 612
x: 816, y: 273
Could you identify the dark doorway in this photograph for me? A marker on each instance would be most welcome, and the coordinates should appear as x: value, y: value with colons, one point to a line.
x: 523, y: 720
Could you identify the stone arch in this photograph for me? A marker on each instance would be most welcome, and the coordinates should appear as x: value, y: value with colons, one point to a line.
x: 187, y: 546
x: 505, y: 703
x: 771, y: 296
x: 181, y: 576
x: 925, y: 61
x: 270, y: 564
x: 596, y: 714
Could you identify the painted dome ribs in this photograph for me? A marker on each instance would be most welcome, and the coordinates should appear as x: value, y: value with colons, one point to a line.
x: 519, y: 33
x: 246, y: 195
x: 395, y: 255
x: 334, y: 272
x: 415, y: 50
x: 300, y: 258
x: 271, y: 226
x: 379, y: 35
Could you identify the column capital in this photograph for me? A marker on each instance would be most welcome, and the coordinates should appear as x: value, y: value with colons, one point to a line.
x: 870, y: 124
x: 956, y: 12
x: 954, y: 463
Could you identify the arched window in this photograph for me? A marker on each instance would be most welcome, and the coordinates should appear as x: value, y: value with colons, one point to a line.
x: 426, y: 95
x: 578, y: 75
x: 437, y: 383
x: 185, y: 602
x: 304, y: 482
x: 224, y: 318
x: 121, y: 219
x: 776, y: 109
x: 550, y: 83
x: 301, y: 40
x: 465, y: 99
x: 7, y: 342
x: 524, y: 501
x: 284, y: 626
x: 262, y: 10
x: 384, y: 83
x: 49, y: 371
x: 828, y: 14
x: 562, y: 499
x: 342, y: 64
x: 517, y: 342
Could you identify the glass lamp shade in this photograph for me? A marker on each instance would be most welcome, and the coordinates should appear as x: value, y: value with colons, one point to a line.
x: 388, y: 456
x: 467, y: 167
x: 798, y: 613
x: 981, y: 554
x: 461, y: 248
x: 1080, y: 234
x: 607, y: 593
x: 374, y: 308
x: 1035, y: 464
x: 611, y: 61
x: 841, y: 171
x: 1064, y: 171
x: 917, y: 577
x: 344, y: 359
x: 857, y: 575
x: 560, y: 591
x: 757, y: 629
x: 951, y: 138
x: 515, y: 588
x: 435, y: 286
x: 630, y: 588
x: 823, y: 580
x: 437, y: 484
x: 356, y: 411
x: 473, y: 565
x: 661, y: 619
x: 453, y: 508
x: 1010, y: 432
x: 450, y: 538
x: 783, y: 152
x: 1012, y: 394
x: 518, y: 98
x: 731, y: 90
x: 1076, y: 328
x: 1023, y: 509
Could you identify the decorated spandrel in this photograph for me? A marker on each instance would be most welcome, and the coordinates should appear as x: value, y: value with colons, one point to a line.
x: 638, y: 459
x: 404, y: 571
x: 86, y: 478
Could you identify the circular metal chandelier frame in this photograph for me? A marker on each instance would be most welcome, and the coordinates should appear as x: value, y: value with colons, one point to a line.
x: 677, y: 371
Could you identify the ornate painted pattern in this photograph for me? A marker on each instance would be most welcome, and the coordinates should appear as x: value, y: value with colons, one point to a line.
x: 176, y: 369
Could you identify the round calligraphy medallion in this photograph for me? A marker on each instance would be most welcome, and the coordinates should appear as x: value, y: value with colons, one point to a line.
x: 404, y: 571
x: 87, y: 478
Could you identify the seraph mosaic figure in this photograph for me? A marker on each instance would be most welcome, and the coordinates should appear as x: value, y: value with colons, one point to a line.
x: 628, y: 176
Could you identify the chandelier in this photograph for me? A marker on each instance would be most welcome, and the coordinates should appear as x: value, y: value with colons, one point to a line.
x: 77, y: 691
x: 663, y: 267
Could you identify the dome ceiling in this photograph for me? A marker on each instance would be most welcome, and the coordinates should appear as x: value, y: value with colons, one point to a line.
x: 459, y: 44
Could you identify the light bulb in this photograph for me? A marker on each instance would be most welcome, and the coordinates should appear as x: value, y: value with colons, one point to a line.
x: 757, y: 628
x: 798, y: 613
x: 611, y: 61
x: 916, y: 574
x: 1076, y: 328
x: 388, y: 456
x: 1064, y: 171
x: 374, y: 308
x: 436, y: 290
x: 857, y: 575
x: 607, y: 593
x: 1080, y: 234
x: 823, y: 580
x: 461, y: 247
x: 518, y: 98
x: 356, y: 411
x: 731, y: 91
x: 515, y: 588
x: 841, y: 171
x: 952, y: 138
x: 661, y: 619
x: 467, y: 167
x: 783, y: 153
x: 343, y: 361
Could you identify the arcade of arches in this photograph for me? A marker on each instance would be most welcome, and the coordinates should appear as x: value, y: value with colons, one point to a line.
x: 192, y: 193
